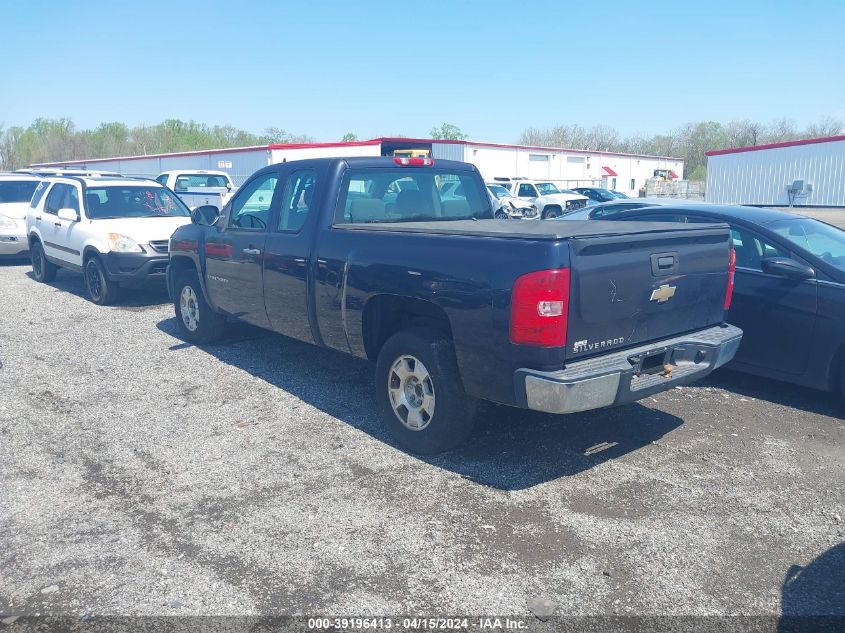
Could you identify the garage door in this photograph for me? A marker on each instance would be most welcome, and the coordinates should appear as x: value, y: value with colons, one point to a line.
x: 538, y: 166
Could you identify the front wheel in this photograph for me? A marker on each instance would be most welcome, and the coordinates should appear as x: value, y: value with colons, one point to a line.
x: 554, y: 212
x: 101, y: 290
x: 42, y: 269
x: 419, y: 390
x: 501, y: 215
x: 196, y: 321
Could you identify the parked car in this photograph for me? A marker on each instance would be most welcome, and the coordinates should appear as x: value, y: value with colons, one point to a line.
x: 449, y: 304
x: 114, y: 230
x: 506, y: 206
x: 789, y: 296
x: 596, y: 194
x: 15, y: 193
x: 550, y: 201
x: 199, y: 187
x: 619, y: 194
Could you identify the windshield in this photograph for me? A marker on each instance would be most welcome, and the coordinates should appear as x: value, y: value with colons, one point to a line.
x: 136, y: 201
x: 16, y: 190
x: 410, y: 195
x: 822, y: 240
x: 498, y: 190
x: 189, y: 181
x: 545, y: 188
x: 604, y: 195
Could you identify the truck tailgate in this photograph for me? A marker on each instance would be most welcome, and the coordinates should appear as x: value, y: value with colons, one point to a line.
x: 638, y: 287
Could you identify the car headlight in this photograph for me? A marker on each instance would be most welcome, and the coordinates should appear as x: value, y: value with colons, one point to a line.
x: 7, y: 223
x: 123, y: 244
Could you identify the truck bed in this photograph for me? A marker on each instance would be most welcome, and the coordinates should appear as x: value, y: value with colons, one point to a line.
x: 553, y: 230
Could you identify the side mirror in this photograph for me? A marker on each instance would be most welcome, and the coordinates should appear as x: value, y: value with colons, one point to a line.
x: 786, y: 267
x: 69, y: 215
x: 206, y: 215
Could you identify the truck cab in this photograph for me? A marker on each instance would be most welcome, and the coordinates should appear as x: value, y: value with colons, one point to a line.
x: 199, y: 187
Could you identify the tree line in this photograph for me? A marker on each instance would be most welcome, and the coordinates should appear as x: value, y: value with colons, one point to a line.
x: 56, y: 140
x: 689, y: 141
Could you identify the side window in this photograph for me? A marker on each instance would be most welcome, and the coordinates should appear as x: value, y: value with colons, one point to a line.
x: 162, y: 180
x: 751, y: 249
x: 71, y: 199
x: 296, y: 201
x: 526, y: 191
x: 39, y: 193
x: 55, y: 199
x: 251, y: 207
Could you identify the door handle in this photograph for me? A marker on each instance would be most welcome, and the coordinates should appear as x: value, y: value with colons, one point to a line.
x: 38, y: 218
x: 58, y: 224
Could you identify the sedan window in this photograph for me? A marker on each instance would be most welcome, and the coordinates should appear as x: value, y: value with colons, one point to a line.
x: 751, y: 249
x: 822, y: 240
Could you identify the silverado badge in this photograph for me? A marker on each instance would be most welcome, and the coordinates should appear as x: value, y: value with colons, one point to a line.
x: 662, y: 294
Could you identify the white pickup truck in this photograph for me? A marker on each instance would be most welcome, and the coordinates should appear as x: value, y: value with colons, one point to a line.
x: 197, y: 188
x: 550, y: 201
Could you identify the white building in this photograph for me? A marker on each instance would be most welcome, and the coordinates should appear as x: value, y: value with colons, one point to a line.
x: 808, y: 172
x: 567, y: 167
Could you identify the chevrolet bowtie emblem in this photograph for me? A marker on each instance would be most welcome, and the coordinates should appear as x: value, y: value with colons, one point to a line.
x: 662, y: 294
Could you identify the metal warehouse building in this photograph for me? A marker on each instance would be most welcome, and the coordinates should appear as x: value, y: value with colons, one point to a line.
x: 567, y: 167
x: 808, y: 172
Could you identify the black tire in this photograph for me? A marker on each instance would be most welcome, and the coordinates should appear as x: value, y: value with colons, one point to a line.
x: 451, y: 419
x: 101, y: 290
x: 553, y: 212
x: 42, y: 270
x: 501, y: 215
x: 208, y: 325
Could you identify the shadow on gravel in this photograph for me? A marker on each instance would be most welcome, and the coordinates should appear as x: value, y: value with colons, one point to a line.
x: 786, y: 394
x: 813, y: 597
x: 511, y: 449
x: 129, y: 298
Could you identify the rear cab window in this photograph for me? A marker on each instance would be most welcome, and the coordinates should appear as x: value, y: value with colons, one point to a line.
x: 407, y: 195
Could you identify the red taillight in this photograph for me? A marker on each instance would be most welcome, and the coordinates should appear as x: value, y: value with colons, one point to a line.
x: 729, y: 293
x: 540, y: 308
x: 413, y: 162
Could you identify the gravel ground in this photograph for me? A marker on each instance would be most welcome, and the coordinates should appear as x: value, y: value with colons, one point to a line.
x: 142, y: 475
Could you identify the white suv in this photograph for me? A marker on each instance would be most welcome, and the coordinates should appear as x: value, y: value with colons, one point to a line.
x: 115, y: 231
x: 15, y: 193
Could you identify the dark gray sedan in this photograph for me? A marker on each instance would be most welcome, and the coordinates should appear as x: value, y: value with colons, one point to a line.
x: 789, y: 295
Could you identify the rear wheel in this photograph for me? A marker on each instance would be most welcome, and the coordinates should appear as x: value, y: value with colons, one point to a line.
x: 42, y: 270
x: 101, y: 290
x: 552, y: 212
x: 196, y: 321
x: 419, y: 390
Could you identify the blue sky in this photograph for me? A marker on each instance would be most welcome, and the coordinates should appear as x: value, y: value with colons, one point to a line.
x: 493, y: 68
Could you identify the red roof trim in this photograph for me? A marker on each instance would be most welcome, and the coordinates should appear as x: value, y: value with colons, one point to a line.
x: 754, y: 148
x: 609, y: 172
x: 375, y: 141
x: 171, y: 155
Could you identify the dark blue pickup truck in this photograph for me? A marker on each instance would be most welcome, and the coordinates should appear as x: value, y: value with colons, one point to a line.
x: 366, y: 256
